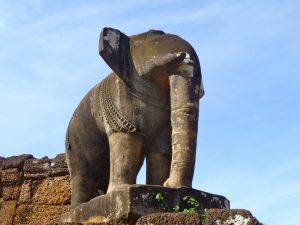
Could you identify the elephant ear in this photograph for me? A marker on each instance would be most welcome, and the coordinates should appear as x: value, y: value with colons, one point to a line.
x: 114, y: 48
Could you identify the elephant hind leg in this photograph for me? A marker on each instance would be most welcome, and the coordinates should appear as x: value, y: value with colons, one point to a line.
x: 158, y: 158
x: 158, y: 168
x: 88, y: 162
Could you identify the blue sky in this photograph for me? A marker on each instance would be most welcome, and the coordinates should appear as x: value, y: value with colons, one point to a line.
x: 248, y: 143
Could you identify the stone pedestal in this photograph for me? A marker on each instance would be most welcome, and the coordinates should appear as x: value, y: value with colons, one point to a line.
x: 129, y: 204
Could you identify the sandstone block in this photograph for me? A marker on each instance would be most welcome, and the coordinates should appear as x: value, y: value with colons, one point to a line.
x: 170, y: 219
x: 37, y: 214
x: 11, y: 176
x: 15, y: 161
x: 59, y: 166
x: 134, y: 201
x: 53, y: 191
x: 25, y: 193
x: 35, y: 184
x: 233, y: 216
x: 11, y: 192
x: 7, y: 212
x: 36, y: 168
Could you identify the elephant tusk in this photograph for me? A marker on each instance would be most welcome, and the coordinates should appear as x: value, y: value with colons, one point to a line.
x: 187, y: 60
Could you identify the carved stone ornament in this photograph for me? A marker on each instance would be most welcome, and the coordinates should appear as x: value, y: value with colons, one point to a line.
x: 147, y: 108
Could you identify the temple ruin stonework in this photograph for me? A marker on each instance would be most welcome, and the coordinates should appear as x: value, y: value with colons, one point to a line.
x: 146, y: 109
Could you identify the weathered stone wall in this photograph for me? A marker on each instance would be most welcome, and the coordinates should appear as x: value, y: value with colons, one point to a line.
x: 33, y: 191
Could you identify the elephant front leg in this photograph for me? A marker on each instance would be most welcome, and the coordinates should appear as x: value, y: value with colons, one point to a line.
x: 126, y: 158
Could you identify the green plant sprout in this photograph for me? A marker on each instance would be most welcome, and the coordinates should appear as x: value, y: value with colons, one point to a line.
x: 195, y: 206
x: 159, y: 197
x: 203, y: 217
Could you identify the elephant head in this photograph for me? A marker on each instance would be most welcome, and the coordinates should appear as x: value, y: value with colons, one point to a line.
x: 168, y: 63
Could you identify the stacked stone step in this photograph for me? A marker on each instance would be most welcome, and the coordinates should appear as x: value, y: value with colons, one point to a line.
x: 33, y: 191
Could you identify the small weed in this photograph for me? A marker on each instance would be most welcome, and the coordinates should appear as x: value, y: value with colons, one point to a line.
x: 195, y: 206
x: 203, y: 217
x: 159, y: 197
x: 176, y: 208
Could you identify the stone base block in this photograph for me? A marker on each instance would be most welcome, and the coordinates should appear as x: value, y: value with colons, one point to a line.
x: 134, y: 201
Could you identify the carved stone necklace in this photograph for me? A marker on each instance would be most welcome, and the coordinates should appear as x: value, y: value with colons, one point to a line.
x: 115, y: 119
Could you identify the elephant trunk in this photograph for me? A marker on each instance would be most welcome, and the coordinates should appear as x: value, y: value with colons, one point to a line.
x: 184, y: 93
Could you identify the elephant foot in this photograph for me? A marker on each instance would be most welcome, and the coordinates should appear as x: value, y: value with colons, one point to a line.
x: 176, y: 182
x: 116, y: 187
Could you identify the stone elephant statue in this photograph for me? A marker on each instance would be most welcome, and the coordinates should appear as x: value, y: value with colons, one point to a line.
x: 146, y: 108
